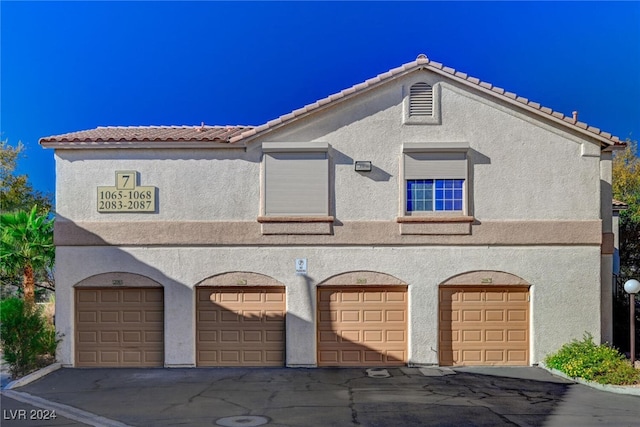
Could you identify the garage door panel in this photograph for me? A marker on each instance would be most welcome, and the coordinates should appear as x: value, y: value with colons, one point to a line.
x: 361, y: 326
x: 88, y: 296
x: 494, y: 356
x: 114, y: 324
x: 372, y: 315
x: 133, y: 296
x: 373, y: 357
x: 132, y: 316
x: 395, y: 316
x: 494, y: 315
x: 132, y: 357
x: 327, y: 336
x: 496, y: 336
x: 108, y: 337
x: 373, y: 296
x: 471, y: 316
x: 517, y: 315
x: 517, y: 335
x: 518, y: 356
x: 275, y: 357
x: 109, y: 358
x: 155, y: 337
x: 373, y: 336
x: 134, y: 337
x: 274, y: 336
x: 396, y: 336
x: 240, y: 326
x: 484, y: 325
x: 251, y: 336
x: 109, y: 317
x: 230, y: 337
x: 110, y: 296
x: 274, y: 297
x: 349, y: 336
x: 90, y: 357
x: 87, y: 317
x: 396, y: 356
x: 327, y: 357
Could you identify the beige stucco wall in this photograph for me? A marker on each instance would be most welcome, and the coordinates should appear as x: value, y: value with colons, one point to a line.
x: 522, y: 171
x: 564, y: 281
x: 515, y: 161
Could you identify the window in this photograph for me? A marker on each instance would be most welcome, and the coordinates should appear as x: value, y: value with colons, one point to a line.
x: 296, y: 179
x: 435, y: 178
x: 435, y: 195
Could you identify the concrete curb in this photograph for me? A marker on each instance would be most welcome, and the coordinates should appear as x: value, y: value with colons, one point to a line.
x: 33, y: 376
x: 619, y: 389
x: 66, y: 411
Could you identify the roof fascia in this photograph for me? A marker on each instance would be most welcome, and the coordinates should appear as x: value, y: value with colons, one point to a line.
x: 93, y: 145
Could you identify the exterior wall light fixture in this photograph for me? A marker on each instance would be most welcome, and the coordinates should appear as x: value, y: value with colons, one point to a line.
x: 363, y: 166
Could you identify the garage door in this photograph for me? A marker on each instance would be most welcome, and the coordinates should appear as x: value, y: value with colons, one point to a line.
x: 240, y: 326
x: 119, y: 327
x: 362, y: 326
x: 484, y: 326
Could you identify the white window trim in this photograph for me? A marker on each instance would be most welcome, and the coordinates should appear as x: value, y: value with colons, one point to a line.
x: 434, y: 147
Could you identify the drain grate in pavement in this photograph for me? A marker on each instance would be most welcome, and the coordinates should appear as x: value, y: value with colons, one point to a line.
x: 242, y: 421
x: 378, y: 373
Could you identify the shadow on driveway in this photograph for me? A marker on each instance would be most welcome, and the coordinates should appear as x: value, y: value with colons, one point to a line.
x: 335, y: 397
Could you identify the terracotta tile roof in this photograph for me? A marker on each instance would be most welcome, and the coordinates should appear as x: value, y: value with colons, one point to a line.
x: 618, y: 205
x: 126, y: 134
x: 423, y: 63
x: 182, y: 136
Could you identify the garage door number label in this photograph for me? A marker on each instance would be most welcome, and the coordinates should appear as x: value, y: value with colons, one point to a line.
x: 126, y: 195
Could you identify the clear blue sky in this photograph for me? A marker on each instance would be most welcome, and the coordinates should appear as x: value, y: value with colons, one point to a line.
x: 70, y: 66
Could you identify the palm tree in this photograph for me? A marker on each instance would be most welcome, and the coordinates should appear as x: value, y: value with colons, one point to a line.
x: 26, y: 245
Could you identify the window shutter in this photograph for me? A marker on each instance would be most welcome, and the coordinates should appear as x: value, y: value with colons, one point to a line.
x: 435, y: 166
x: 296, y: 184
x: 421, y: 100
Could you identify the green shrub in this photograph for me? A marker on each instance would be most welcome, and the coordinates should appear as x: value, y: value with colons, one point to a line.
x: 600, y: 363
x: 28, y: 340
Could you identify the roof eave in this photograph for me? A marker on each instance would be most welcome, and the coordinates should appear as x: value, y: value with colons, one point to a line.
x: 127, y: 144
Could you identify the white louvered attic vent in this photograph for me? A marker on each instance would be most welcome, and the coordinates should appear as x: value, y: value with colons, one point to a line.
x: 421, y: 100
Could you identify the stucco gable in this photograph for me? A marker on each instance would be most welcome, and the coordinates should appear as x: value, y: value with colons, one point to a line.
x: 422, y: 63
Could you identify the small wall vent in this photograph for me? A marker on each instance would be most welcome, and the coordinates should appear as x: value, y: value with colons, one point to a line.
x: 421, y: 100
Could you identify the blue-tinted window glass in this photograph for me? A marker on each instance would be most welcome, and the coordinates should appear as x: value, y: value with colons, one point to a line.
x: 435, y: 194
x: 448, y: 194
x: 419, y: 195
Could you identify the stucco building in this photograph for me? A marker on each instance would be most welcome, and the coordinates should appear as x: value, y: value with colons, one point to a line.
x: 421, y: 217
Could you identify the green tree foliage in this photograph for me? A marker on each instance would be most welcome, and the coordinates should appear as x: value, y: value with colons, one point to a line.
x: 26, y: 246
x: 626, y: 188
x: 28, y: 340
x: 16, y: 193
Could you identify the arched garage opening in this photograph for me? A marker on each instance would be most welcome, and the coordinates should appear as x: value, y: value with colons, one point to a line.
x: 119, y: 321
x: 240, y: 320
x: 484, y: 320
x: 362, y: 320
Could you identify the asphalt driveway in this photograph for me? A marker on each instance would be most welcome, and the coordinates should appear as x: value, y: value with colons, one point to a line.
x: 321, y: 397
